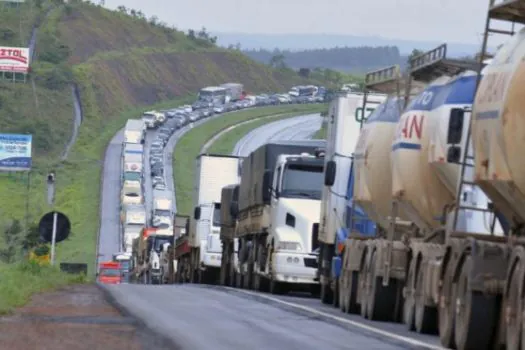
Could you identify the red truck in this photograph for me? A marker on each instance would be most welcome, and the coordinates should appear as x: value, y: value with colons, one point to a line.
x: 109, y: 272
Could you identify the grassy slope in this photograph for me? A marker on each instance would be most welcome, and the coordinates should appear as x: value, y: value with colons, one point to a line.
x: 19, y: 282
x: 188, y: 147
x: 121, y: 64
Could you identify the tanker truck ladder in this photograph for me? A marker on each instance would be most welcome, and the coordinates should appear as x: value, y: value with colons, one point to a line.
x: 512, y: 11
x: 385, y: 80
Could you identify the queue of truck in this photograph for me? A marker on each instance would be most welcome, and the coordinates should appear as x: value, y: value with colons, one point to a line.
x: 418, y: 214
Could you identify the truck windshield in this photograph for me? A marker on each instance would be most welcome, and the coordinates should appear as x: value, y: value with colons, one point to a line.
x: 158, y: 242
x: 131, y: 176
x: 303, y: 181
x: 109, y: 273
x: 124, y: 264
x: 159, y: 212
x: 217, y: 214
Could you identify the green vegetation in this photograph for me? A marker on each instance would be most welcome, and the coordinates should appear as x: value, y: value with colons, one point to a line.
x: 20, y: 281
x: 189, y: 146
x: 321, y: 133
x: 226, y: 143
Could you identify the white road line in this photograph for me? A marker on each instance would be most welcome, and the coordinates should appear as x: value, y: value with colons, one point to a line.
x: 365, y: 327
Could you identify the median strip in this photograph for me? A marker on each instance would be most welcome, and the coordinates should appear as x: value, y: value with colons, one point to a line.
x: 190, y: 145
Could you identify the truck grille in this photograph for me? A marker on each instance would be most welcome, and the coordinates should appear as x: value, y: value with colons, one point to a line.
x: 315, y: 236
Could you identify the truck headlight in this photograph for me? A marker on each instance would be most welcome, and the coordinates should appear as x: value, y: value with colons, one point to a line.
x: 284, y: 245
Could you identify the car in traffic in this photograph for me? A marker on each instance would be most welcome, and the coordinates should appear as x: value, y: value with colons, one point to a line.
x: 157, y: 170
x: 156, y: 180
x: 155, y: 159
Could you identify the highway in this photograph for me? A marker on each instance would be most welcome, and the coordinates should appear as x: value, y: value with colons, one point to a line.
x: 203, y: 317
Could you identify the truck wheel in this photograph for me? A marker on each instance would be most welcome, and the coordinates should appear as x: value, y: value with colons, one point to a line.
x: 514, y: 309
x: 381, y: 300
x: 475, y: 314
x: 326, y: 294
x: 277, y: 287
x: 343, y: 292
x: 232, y: 276
x: 335, y: 292
x: 447, y: 309
x: 239, y: 283
x: 425, y: 316
x: 364, y: 287
x: 349, y: 298
x: 409, y: 304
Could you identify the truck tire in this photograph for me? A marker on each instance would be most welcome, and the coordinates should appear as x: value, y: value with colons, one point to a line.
x: 349, y: 289
x: 425, y: 320
x: 476, y: 314
x: 381, y: 301
x: 326, y: 294
x: 409, y: 306
x: 514, y: 305
x: 447, y: 309
x: 232, y: 276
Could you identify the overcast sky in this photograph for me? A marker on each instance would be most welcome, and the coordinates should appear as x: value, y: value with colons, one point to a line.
x: 433, y: 20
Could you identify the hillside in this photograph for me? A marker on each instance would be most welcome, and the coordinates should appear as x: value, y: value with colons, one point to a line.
x: 346, y: 59
x: 122, y: 63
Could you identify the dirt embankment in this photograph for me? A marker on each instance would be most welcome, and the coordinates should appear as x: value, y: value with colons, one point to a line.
x: 77, y: 317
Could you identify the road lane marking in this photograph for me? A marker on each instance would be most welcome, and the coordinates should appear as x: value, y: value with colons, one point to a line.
x: 356, y: 324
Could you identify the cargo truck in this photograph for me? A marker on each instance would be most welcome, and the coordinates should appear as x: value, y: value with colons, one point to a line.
x: 168, y: 262
x: 146, y: 254
x: 109, y: 272
x: 162, y: 209
x: 229, y: 260
x: 123, y: 258
x: 278, y: 215
x: 234, y: 92
x: 343, y: 126
x: 201, y: 248
x: 131, y: 193
x: 134, y: 131
x: 133, y: 221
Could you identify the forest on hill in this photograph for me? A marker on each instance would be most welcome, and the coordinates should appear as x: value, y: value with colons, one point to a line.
x: 346, y: 59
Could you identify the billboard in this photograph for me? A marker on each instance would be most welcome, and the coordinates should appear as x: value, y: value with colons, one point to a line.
x: 14, y: 59
x: 15, y: 152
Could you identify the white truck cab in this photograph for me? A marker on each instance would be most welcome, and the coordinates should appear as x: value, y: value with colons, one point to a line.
x: 295, y: 214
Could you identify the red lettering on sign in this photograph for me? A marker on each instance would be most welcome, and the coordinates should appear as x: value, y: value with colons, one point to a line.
x: 13, y: 55
x: 413, y: 125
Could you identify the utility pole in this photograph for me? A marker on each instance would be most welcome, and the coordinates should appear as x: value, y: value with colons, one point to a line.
x: 51, y: 178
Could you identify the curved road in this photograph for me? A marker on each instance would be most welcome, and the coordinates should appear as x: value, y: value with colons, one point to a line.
x: 205, y: 317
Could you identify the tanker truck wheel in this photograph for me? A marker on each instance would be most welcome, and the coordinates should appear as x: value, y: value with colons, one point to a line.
x: 409, y: 305
x: 447, y: 309
x: 475, y: 315
x: 349, y: 297
x: 239, y: 279
x: 514, y: 309
x: 425, y: 316
x: 364, y: 286
x: 335, y: 291
x: 381, y: 301
x: 343, y: 291
x: 232, y: 276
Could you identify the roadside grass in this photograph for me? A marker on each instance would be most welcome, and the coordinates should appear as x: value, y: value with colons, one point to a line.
x: 189, y: 146
x: 19, y: 282
x: 226, y: 143
x: 321, y: 133
x: 77, y: 187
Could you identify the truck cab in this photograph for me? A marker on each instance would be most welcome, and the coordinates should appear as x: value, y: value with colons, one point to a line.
x: 297, y: 182
x: 208, y: 217
x: 124, y: 259
x: 109, y: 273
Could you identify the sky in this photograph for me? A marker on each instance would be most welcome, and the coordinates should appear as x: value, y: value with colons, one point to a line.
x: 459, y: 21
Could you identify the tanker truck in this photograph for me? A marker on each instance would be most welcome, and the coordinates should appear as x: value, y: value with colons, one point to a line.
x: 342, y: 134
x: 278, y: 216
x: 482, y: 276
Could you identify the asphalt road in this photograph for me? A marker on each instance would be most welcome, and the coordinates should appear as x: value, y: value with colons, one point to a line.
x: 204, y: 317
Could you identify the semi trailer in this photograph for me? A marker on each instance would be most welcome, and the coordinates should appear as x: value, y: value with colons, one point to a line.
x: 278, y: 216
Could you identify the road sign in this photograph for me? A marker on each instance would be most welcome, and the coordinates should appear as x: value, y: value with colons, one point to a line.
x: 63, y: 226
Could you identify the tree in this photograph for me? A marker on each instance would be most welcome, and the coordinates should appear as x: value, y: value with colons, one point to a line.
x: 304, y: 72
x: 122, y: 9
x: 413, y: 54
x: 191, y: 34
x: 12, y: 242
x: 153, y: 20
x: 133, y: 13
x: 32, y: 237
x: 277, y: 61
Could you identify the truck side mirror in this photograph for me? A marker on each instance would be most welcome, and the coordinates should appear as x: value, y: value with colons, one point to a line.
x: 267, y: 184
x: 329, y: 173
x: 234, y: 209
x: 197, y: 213
x: 455, y: 126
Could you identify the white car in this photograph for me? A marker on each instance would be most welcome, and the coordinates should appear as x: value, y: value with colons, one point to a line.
x: 132, y: 198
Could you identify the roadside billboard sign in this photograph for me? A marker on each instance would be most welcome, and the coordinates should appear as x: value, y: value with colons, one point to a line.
x: 15, y: 152
x: 14, y: 59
